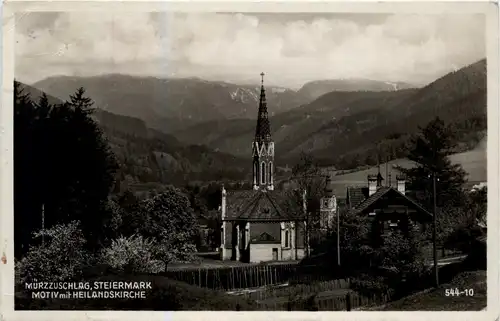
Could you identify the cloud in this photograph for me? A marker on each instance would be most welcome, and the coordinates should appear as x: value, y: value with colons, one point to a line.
x: 237, y: 47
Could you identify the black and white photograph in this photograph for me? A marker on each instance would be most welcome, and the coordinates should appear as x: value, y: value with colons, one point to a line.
x: 250, y: 160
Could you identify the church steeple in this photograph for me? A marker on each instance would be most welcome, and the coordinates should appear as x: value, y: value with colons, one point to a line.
x: 263, y: 130
x: 263, y: 146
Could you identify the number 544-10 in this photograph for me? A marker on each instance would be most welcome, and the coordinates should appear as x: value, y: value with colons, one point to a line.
x: 457, y: 292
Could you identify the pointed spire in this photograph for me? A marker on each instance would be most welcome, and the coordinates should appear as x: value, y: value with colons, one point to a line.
x: 328, y: 185
x: 379, y: 175
x: 263, y: 131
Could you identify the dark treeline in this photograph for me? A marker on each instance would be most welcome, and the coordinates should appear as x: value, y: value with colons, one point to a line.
x: 62, y: 165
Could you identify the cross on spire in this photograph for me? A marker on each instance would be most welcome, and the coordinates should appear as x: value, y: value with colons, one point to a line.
x: 262, y: 74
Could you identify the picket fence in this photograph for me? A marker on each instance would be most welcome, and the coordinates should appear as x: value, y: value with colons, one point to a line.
x: 297, y: 290
x: 346, y: 302
x: 237, y: 277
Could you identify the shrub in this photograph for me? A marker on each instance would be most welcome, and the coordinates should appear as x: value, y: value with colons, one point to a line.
x: 166, y: 218
x: 61, y: 257
x: 133, y: 254
x: 370, y: 285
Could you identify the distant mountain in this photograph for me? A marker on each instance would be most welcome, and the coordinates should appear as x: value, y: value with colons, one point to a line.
x: 291, y: 128
x: 149, y: 156
x: 125, y: 124
x: 315, y: 89
x: 354, y: 125
x: 168, y: 104
x: 174, y: 104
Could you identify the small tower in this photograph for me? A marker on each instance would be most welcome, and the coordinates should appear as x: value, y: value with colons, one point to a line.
x: 328, y: 206
x: 380, y: 178
x: 263, y: 147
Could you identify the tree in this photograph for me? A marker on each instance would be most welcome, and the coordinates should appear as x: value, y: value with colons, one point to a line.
x: 62, y: 166
x: 469, y: 224
x: 80, y: 102
x: 307, y: 176
x: 62, y: 257
x: 477, y: 203
x: 354, y: 239
x: 133, y: 254
x: 429, y: 150
x: 27, y: 204
x: 378, y: 262
x: 170, y: 220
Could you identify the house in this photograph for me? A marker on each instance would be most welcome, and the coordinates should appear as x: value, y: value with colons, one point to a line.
x: 257, y: 225
x: 389, y: 205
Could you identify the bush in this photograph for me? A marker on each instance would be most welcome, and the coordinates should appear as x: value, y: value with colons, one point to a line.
x: 166, y: 218
x: 61, y: 257
x: 369, y: 285
x: 133, y: 254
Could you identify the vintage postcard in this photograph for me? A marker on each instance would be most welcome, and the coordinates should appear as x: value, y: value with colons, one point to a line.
x: 257, y: 160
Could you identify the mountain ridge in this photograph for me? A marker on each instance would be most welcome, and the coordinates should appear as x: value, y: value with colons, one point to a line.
x: 342, y: 123
x: 171, y: 104
x: 146, y: 155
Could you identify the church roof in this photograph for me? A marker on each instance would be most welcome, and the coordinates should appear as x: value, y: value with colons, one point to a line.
x: 258, y: 205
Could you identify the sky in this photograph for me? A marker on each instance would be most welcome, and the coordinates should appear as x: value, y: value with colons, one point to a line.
x: 291, y: 49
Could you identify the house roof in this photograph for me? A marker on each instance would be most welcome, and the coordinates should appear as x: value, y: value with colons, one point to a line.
x: 378, y: 194
x: 265, y: 238
x: 356, y: 195
x: 258, y: 205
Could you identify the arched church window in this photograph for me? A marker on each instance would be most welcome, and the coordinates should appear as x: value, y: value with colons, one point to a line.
x: 263, y: 173
x: 286, y: 239
x: 270, y: 172
x: 255, y: 171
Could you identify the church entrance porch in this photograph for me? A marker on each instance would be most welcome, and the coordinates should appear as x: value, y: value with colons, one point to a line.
x: 255, y: 242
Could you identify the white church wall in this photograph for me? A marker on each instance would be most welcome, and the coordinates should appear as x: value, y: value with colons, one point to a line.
x: 263, y: 252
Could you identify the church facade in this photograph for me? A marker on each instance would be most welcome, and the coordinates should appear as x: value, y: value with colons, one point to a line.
x: 257, y: 225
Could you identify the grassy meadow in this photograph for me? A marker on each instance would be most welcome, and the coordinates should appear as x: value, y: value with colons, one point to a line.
x: 473, y: 162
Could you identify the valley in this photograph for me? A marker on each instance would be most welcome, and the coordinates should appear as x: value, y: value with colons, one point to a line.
x: 190, y: 127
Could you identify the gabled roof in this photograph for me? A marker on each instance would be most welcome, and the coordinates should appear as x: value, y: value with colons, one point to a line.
x: 265, y: 238
x: 258, y: 205
x: 381, y: 192
x: 356, y: 195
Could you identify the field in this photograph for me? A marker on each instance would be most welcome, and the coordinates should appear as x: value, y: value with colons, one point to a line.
x: 473, y: 162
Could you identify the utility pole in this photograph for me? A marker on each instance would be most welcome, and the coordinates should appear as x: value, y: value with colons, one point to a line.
x: 434, y: 230
x: 338, y: 235
x: 43, y: 224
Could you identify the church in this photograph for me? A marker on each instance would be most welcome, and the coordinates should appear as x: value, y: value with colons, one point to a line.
x: 257, y: 226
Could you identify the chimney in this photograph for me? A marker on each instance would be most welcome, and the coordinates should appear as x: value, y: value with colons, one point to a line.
x: 372, y: 184
x: 401, y: 182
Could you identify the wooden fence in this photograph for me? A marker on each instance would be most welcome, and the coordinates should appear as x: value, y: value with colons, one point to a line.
x: 346, y: 302
x: 238, y: 277
x: 298, y: 290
